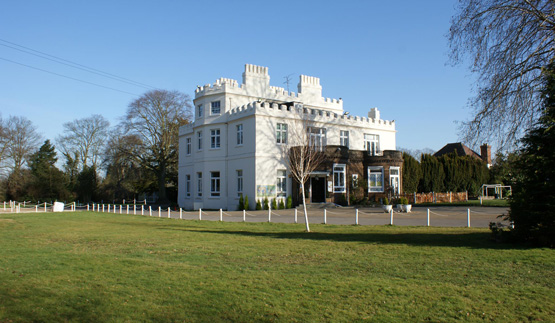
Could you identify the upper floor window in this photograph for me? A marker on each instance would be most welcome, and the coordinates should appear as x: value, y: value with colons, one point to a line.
x: 199, y: 140
x: 281, y: 133
x: 199, y: 110
x: 188, y: 145
x: 344, y: 138
x: 215, y: 184
x: 372, y: 144
x: 375, y: 179
x: 215, y: 138
x: 239, y: 134
x: 339, y: 178
x: 281, y: 183
x: 317, y: 138
x: 215, y: 107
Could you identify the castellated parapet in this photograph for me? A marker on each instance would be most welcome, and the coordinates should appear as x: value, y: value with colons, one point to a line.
x: 256, y: 86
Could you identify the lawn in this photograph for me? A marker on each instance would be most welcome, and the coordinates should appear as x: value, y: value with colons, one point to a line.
x: 109, y: 267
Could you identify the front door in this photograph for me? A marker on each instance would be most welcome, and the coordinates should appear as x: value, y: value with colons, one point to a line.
x: 318, y: 185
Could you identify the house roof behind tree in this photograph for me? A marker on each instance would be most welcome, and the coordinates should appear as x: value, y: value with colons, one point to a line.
x: 460, y: 148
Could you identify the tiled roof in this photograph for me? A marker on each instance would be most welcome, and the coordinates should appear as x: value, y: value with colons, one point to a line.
x: 461, y: 150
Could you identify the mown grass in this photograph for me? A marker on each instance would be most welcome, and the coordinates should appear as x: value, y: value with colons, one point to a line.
x: 107, y: 267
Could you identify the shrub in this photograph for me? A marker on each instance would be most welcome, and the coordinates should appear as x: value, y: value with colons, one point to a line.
x: 385, y: 201
x: 266, y: 204
x: 258, y: 205
x: 241, y: 205
x: 281, y: 204
x: 289, y: 202
x: 274, y: 204
x: 246, y: 203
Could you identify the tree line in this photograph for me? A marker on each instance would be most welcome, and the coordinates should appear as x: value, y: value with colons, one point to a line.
x: 91, y: 161
x: 447, y: 173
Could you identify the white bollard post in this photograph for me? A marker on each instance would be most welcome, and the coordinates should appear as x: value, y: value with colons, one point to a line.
x: 4, y: 205
x: 169, y: 212
x: 244, y: 216
x: 142, y: 210
x: 36, y: 208
x: 116, y: 208
x: 87, y: 207
x: 221, y: 216
x: 200, y: 214
x: 74, y: 207
x: 159, y: 211
x: 468, y: 218
x: 180, y: 213
x: 108, y: 208
x: 127, y: 212
x: 134, y: 209
x: 295, y: 215
x: 391, y: 217
x: 102, y: 208
x: 269, y: 213
x: 149, y: 210
x: 428, y: 217
x: 44, y: 206
x: 325, y: 217
x: 356, y: 216
x: 18, y: 208
x: 120, y: 209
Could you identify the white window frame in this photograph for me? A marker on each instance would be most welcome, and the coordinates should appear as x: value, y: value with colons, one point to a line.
x: 199, y: 184
x: 199, y: 140
x: 215, y: 140
x: 373, y: 170
x: 372, y: 144
x: 188, y: 185
x: 215, y: 184
x: 339, y: 171
x: 239, y: 182
x: 281, y: 133
x: 239, y: 134
x: 200, y: 110
x: 344, y: 138
x: 215, y: 108
x: 189, y: 145
x: 281, y: 183
x: 395, y: 179
x: 317, y: 138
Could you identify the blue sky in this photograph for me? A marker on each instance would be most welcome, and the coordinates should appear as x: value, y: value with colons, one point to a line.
x: 387, y: 54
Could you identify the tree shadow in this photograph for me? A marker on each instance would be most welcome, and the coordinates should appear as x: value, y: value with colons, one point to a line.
x: 474, y: 240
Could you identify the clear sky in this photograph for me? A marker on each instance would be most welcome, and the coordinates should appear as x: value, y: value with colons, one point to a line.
x: 387, y: 54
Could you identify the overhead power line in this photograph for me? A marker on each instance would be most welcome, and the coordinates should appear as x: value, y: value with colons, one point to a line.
x: 69, y: 63
x: 68, y: 77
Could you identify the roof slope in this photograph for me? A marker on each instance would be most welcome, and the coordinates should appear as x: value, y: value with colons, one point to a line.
x: 459, y: 147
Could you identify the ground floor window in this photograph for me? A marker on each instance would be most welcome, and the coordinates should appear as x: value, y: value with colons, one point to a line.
x: 339, y: 178
x: 239, y: 182
x: 375, y: 179
x: 188, y: 185
x: 215, y: 184
x: 281, y: 183
x: 199, y: 184
x: 394, y: 180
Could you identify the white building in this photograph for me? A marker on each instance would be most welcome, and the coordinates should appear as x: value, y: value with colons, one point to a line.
x: 236, y: 144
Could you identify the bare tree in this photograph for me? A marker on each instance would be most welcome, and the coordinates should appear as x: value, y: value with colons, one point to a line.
x: 154, y: 119
x: 302, y: 156
x: 84, y: 139
x: 509, y: 42
x: 3, y: 143
x: 22, y: 138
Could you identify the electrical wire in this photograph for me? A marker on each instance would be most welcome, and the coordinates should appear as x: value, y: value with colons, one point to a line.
x: 68, y: 77
x: 69, y: 63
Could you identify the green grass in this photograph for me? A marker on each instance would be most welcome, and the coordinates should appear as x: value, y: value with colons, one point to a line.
x: 108, y: 267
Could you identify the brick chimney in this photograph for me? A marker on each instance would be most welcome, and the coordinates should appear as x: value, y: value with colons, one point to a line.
x: 485, y: 153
